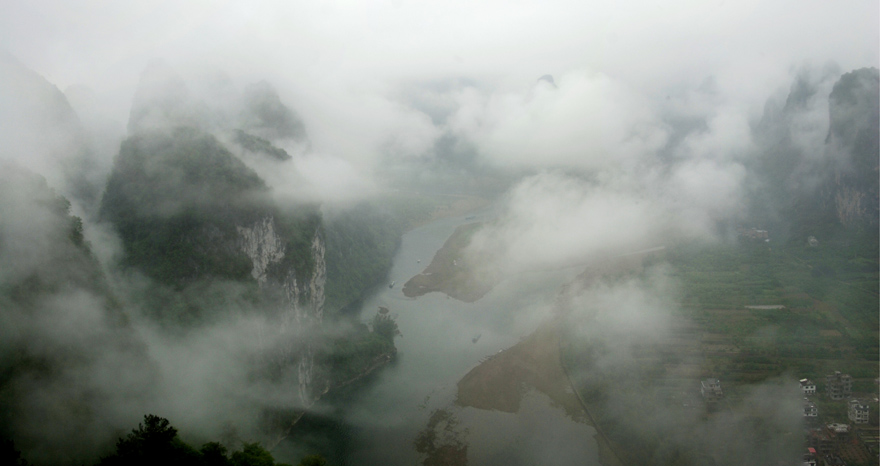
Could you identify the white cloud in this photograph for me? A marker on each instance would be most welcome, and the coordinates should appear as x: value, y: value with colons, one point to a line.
x: 589, y: 121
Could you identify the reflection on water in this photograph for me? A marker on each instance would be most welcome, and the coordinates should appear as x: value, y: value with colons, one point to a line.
x: 384, y: 418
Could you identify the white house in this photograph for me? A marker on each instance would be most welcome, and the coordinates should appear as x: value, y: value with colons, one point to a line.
x: 808, y: 386
x: 857, y: 412
x: 810, y: 409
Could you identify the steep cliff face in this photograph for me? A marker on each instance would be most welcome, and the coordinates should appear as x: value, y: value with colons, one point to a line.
x: 817, y: 171
x: 853, y: 144
x: 262, y: 245
x: 302, y: 306
x: 175, y: 198
x: 205, y: 229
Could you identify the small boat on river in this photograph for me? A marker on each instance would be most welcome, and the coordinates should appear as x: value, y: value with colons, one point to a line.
x: 391, y: 285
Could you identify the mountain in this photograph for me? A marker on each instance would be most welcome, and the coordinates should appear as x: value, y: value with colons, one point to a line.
x: 854, y: 144
x: 41, y: 129
x: 203, y: 245
x: 196, y: 220
x: 207, y: 232
x: 63, y: 334
x: 256, y: 117
x: 816, y: 173
x: 168, y: 191
x: 263, y: 114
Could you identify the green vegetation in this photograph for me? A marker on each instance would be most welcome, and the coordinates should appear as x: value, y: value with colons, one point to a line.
x: 385, y: 326
x: 257, y: 144
x: 361, y: 243
x: 313, y: 460
x: 830, y: 294
x: 829, y: 322
x: 360, y: 352
x: 41, y: 243
x: 155, y: 442
x: 176, y: 199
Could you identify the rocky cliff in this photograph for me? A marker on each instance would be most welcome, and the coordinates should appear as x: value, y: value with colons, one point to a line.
x: 816, y: 173
x: 204, y: 249
x: 191, y: 215
x: 853, y: 144
x: 302, y: 306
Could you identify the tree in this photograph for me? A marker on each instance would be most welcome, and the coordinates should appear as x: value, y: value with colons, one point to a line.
x: 155, y: 441
x: 252, y: 454
x: 385, y: 326
x: 214, y: 454
x: 9, y: 455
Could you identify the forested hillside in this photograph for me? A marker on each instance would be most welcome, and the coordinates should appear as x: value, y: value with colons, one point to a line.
x: 205, y: 244
x: 792, y: 294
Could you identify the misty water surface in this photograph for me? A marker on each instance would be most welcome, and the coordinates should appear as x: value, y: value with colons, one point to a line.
x: 437, y: 350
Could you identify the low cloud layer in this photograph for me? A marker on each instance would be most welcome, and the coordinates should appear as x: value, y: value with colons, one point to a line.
x: 342, y: 65
x: 645, y: 136
x: 633, y: 354
x: 589, y: 121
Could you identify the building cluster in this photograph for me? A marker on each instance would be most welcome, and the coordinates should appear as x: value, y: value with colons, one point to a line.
x: 836, y: 443
x: 810, y: 457
x: 828, y: 443
x: 838, y: 386
x: 829, y: 438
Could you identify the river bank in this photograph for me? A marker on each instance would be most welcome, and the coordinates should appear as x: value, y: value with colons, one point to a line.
x: 498, y: 382
x: 453, y: 272
x: 415, y: 396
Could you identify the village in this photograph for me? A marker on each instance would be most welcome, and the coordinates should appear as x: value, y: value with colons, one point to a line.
x: 842, y: 433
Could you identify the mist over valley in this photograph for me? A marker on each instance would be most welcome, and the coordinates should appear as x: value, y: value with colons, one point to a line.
x: 441, y: 234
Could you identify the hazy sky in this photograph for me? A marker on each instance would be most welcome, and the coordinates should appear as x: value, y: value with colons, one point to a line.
x: 370, y: 46
x: 383, y: 80
x: 369, y: 78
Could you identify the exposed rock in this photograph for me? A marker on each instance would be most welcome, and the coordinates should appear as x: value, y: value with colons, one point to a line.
x: 854, y: 144
x: 303, y: 306
x: 262, y: 245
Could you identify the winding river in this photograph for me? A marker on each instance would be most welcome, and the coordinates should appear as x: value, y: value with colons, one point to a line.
x: 385, y: 416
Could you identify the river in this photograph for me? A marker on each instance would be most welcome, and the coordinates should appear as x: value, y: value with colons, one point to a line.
x: 384, y: 416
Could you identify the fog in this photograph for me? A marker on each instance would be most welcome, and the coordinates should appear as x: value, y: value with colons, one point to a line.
x: 597, y: 130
